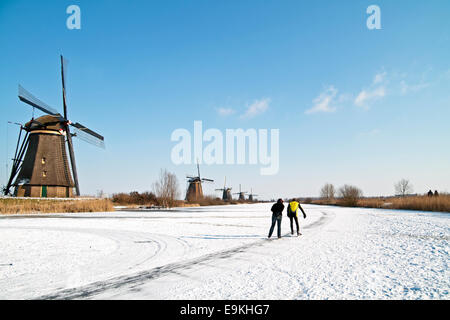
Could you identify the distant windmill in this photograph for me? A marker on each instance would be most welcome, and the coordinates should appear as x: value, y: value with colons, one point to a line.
x: 194, y: 191
x: 241, y: 193
x: 40, y: 161
x: 226, y: 192
x: 251, y: 195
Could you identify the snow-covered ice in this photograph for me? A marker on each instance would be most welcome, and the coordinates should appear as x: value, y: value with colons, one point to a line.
x: 223, y: 253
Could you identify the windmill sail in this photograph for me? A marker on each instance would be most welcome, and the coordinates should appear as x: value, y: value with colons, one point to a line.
x: 87, y: 137
x: 28, y: 98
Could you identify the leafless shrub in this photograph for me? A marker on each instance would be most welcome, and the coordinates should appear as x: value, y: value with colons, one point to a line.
x: 166, y: 188
x: 327, y: 192
x: 135, y: 198
x: 403, y: 187
x: 349, y: 195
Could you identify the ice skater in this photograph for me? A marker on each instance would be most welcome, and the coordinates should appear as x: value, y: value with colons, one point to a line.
x: 292, y: 213
x: 277, y: 215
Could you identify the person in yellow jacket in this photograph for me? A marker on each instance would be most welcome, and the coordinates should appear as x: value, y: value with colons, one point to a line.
x: 292, y: 213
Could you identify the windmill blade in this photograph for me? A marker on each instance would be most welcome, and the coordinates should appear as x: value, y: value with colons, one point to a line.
x: 208, y: 180
x: 83, y: 135
x: 198, y: 169
x: 88, y: 135
x: 64, y: 64
x: 72, y: 161
x: 63, y: 79
x: 87, y: 130
x: 28, y: 98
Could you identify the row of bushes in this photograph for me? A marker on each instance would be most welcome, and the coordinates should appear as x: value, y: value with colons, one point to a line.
x: 135, y: 198
x: 150, y: 199
x: 215, y: 201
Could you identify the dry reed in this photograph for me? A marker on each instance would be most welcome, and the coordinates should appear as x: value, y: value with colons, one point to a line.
x: 440, y: 203
x: 25, y: 206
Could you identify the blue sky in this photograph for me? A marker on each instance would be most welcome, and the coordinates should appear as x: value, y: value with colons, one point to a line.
x: 353, y: 105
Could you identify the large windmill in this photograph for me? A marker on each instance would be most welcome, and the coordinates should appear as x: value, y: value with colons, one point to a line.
x: 226, y: 192
x: 241, y: 193
x: 194, y: 191
x: 40, y: 165
x: 251, y: 195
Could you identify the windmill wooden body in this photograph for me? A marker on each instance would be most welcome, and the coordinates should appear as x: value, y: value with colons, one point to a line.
x: 241, y: 194
x: 251, y: 196
x: 226, y: 192
x: 195, y: 191
x: 41, y: 165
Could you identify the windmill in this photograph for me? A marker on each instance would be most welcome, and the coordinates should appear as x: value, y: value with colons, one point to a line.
x: 251, y: 195
x: 226, y: 192
x: 241, y: 193
x: 194, y: 190
x: 40, y: 165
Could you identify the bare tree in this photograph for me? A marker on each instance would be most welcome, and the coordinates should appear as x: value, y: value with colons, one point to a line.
x: 166, y: 188
x: 403, y: 187
x: 100, y: 194
x: 327, y: 191
x: 350, y: 195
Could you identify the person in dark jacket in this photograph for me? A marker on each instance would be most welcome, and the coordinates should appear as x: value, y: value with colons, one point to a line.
x: 292, y: 213
x: 277, y: 214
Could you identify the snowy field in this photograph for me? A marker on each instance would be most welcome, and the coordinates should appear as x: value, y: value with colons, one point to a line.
x: 223, y: 253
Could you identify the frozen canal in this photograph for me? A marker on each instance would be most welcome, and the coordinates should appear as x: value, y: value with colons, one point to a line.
x: 223, y: 253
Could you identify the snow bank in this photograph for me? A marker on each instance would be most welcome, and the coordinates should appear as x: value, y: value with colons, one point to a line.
x: 222, y: 253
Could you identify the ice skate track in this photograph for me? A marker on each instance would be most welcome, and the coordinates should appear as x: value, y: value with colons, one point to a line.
x: 132, y: 282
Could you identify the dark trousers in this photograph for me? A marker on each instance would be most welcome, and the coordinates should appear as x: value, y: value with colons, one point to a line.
x: 276, y: 218
x: 292, y: 224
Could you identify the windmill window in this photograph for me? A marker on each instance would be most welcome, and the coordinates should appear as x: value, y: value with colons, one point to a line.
x: 43, y: 160
x: 44, y: 173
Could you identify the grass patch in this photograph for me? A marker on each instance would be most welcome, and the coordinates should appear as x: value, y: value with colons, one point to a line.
x: 25, y: 206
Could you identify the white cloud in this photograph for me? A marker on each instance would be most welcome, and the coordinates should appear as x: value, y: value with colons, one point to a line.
x: 323, y: 102
x: 225, y: 111
x: 365, y: 97
x: 370, y: 133
x: 379, y: 77
x: 256, y: 108
x: 375, y: 91
x: 406, y: 88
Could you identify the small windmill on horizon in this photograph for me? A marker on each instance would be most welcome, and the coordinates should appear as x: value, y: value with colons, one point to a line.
x: 251, y: 195
x: 241, y: 193
x: 226, y: 192
x: 195, y: 191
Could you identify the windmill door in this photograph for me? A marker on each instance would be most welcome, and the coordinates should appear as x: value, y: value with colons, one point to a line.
x: 44, y: 192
